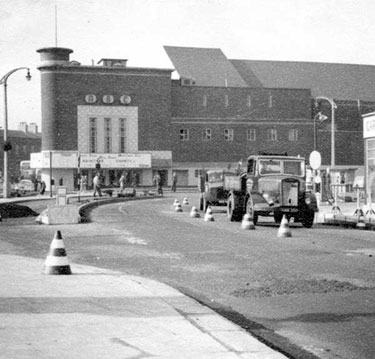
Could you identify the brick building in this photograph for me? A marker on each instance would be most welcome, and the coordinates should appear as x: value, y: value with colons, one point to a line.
x: 220, y: 111
x: 24, y: 142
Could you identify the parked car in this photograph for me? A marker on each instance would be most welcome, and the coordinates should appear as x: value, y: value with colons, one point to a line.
x: 25, y: 185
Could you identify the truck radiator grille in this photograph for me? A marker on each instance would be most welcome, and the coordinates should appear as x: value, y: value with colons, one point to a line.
x: 289, y: 193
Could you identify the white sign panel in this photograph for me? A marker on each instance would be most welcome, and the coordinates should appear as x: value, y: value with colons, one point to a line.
x: 369, y: 126
x: 315, y: 160
x: 69, y: 159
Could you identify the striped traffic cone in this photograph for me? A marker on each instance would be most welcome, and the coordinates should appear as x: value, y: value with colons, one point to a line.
x: 284, y: 230
x: 57, y: 261
x: 247, y: 222
x: 185, y: 201
x: 208, y: 216
x: 178, y: 207
x: 194, y: 213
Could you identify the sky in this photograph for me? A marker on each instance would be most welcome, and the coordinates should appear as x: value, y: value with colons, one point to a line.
x: 338, y: 31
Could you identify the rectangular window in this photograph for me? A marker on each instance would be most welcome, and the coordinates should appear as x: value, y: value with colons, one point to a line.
x: 293, y: 135
x: 207, y: 134
x: 204, y: 100
x: 228, y: 134
x: 93, y: 134
x: 107, y: 135
x: 184, y: 134
x: 122, y: 122
x: 251, y: 134
x: 248, y: 101
x: 226, y: 100
x: 24, y: 148
x: 270, y: 101
x: 272, y: 134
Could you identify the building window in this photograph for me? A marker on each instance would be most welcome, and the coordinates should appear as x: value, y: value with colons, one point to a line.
x: 251, y: 134
x: 184, y: 134
x: 272, y: 134
x: 93, y: 134
x: 122, y: 122
x: 24, y: 148
x: 107, y: 135
x: 293, y: 135
x: 17, y: 149
x: 270, y: 101
x: 207, y: 134
x: 226, y: 100
x: 248, y: 101
x: 204, y: 100
x: 228, y: 134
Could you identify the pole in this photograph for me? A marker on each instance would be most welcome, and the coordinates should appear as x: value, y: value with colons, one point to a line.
x: 50, y: 173
x: 5, y: 182
x: 3, y: 81
x: 333, y: 105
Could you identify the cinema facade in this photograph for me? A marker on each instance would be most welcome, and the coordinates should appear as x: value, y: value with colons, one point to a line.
x: 114, y: 118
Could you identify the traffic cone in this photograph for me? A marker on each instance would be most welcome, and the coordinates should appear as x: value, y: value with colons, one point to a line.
x: 178, y: 207
x: 176, y: 202
x: 208, y: 216
x: 57, y: 261
x: 284, y: 230
x: 185, y: 201
x: 194, y: 213
x: 247, y: 222
x: 361, y: 222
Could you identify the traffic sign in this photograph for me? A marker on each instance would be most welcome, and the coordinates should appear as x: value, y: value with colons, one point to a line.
x: 315, y: 160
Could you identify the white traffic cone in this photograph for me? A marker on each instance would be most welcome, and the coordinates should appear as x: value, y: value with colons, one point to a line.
x: 176, y: 202
x: 57, y: 261
x: 284, y: 230
x: 194, y: 213
x: 208, y: 217
x: 361, y: 222
x: 247, y: 222
x: 178, y: 207
x: 185, y: 201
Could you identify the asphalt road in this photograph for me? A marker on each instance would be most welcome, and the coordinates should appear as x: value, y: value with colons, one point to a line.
x: 315, y: 289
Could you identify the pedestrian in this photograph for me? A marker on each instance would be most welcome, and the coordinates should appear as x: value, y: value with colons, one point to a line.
x: 174, y: 182
x: 83, y: 183
x: 158, y: 183
x: 122, y: 182
x: 96, y: 183
x: 42, y: 187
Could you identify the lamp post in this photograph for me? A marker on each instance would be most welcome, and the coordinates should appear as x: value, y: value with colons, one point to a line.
x: 333, y: 107
x: 7, y: 145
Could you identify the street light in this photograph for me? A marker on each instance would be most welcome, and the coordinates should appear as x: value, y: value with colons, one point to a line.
x: 7, y: 145
x: 333, y: 107
x: 318, y: 117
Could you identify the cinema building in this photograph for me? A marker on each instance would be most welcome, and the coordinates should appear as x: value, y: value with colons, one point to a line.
x: 218, y: 112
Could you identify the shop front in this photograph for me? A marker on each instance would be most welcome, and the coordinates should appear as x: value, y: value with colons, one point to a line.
x: 66, y: 167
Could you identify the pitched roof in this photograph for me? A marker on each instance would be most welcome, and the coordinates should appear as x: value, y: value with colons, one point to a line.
x: 205, y: 66
x: 337, y: 81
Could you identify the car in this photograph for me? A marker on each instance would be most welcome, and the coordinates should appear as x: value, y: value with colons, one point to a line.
x: 25, y: 185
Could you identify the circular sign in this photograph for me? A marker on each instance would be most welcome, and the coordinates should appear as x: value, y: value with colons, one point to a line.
x: 315, y: 160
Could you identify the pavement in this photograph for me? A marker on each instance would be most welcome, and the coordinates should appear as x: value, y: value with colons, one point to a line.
x: 99, y: 313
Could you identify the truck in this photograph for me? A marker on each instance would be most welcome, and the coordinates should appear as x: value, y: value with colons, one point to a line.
x: 212, y: 188
x: 271, y: 185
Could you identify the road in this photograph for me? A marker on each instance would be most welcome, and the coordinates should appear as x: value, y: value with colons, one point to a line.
x: 314, y: 290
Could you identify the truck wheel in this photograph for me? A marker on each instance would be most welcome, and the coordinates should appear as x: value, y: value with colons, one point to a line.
x: 201, y: 203
x: 232, y: 209
x: 278, y: 217
x: 308, y: 219
x: 250, y: 211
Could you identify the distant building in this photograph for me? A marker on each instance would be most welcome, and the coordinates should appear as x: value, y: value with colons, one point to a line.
x: 23, y: 144
x: 220, y: 111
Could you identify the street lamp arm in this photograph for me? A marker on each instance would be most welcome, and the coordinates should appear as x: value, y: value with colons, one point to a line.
x: 5, y: 77
x: 331, y: 102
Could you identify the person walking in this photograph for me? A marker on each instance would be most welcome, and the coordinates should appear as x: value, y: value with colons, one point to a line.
x: 174, y: 182
x: 96, y: 183
x: 83, y: 183
x: 158, y: 183
x: 42, y: 187
x: 122, y: 182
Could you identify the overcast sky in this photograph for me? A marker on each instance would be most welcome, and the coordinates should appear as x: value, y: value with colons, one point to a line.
x: 340, y: 31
